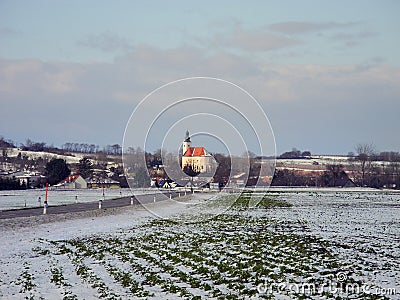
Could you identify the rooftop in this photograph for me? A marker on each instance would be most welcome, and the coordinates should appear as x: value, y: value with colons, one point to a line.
x: 195, y: 151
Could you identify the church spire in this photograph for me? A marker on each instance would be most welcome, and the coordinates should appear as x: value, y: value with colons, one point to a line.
x: 187, y: 143
x: 187, y: 138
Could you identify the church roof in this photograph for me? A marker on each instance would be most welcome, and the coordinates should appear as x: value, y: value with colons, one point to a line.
x: 195, y: 151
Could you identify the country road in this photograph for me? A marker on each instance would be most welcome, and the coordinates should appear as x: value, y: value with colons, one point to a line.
x: 85, y: 206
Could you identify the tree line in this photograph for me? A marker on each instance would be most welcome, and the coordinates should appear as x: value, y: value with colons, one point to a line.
x: 295, y: 154
x: 73, y: 147
x: 365, y: 166
x: 114, y: 149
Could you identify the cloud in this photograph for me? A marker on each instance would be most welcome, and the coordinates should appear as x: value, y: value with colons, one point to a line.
x: 6, y: 32
x: 25, y: 77
x: 158, y: 66
x: 107, y: 42
x: 352, y: 39
x: 254, y: 40
x: 293, y: 27
x: 352, y: 36
x: 308, y: 104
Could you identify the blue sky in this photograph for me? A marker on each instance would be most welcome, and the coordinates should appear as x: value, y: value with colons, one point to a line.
x: 325, y: 72
x: 67, y: 30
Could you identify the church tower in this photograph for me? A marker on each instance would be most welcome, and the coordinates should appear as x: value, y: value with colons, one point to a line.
x: 186, y: 143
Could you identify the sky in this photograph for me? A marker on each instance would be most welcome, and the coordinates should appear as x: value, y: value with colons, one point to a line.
x: 326, y: 73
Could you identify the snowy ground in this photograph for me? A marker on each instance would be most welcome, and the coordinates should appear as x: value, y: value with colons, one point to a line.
x: 327, y: 244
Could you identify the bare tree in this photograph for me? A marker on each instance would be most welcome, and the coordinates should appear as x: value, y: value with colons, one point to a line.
x: 92, y: 148
x: 396, y: 172
x: 364, y: 154
x: 334, y: 173
x: 248, y: 154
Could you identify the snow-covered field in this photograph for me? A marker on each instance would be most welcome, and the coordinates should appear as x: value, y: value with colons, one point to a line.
x: 314, y: 244
x: 30, y: 198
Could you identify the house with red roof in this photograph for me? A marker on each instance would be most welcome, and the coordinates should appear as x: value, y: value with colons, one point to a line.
x: 72, y: 182
x: 197, y: 158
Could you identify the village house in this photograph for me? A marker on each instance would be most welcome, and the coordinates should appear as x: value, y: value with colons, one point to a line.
x: 29, y: 179
x: 72, y: 182
x: 108, y: 183
x: 78, y: 182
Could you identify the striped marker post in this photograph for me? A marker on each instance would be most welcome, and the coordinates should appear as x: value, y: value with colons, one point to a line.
x: 45, y: 199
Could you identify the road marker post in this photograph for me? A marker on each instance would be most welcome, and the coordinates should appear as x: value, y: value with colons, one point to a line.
x: 45, y: 204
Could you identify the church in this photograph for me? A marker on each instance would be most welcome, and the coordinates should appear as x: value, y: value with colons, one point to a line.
x: 197, y: 157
